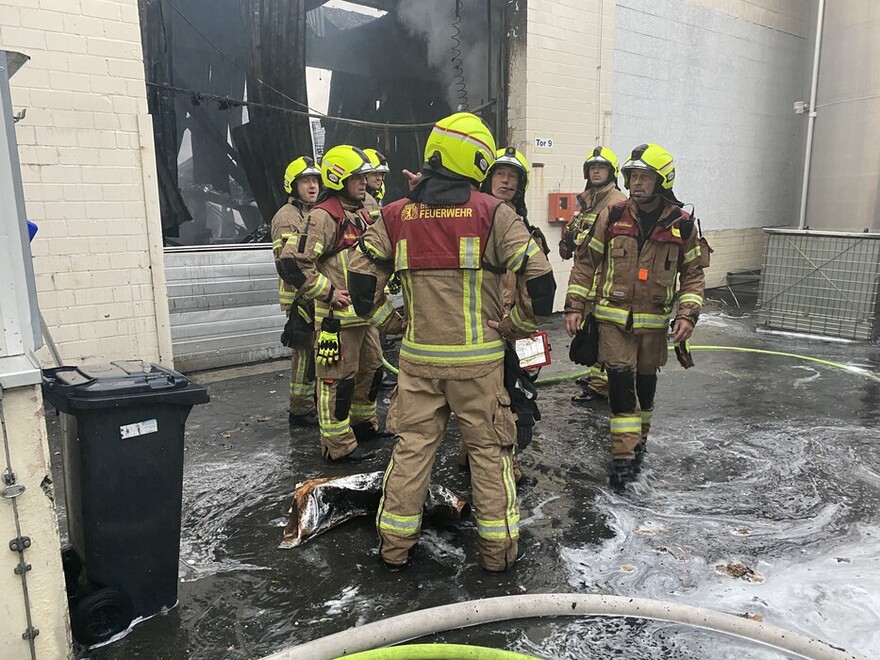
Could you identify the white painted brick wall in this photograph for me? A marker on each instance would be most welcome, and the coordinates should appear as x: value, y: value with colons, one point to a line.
x: 82, y: 147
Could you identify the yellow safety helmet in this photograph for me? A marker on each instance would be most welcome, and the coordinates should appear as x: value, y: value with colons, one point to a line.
x: 461, y: 144
x: 340, y: 163
x: 654, y: 158
x: 378, y: 161
x: 516, y: 160
x: 602, y: 156
x: 302, y: 166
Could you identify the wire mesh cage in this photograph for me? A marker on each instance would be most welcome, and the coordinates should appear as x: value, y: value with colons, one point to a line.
x: 821, y: 283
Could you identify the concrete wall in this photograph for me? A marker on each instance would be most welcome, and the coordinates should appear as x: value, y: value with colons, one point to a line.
x: 714, y: 81
x: 29, y: 456
x: 88, y: 167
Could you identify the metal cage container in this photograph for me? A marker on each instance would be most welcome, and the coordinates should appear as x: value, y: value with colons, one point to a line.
x: 820, y: 283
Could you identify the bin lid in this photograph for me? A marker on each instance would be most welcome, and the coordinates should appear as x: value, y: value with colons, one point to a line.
x: 104, y: 385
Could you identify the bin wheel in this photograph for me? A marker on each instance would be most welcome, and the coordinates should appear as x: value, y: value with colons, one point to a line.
x: 100, y: 615
x: 72, y: 565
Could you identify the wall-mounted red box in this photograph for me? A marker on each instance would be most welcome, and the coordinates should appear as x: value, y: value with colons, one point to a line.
x: 563, y: 207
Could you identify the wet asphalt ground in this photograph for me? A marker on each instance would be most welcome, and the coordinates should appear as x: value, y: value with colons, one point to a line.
x: 759, y: 496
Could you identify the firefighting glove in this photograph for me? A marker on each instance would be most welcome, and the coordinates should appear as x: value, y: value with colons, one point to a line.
x: 394, y: 285
x: 683, y: 354
x: 525, y: 428
x: 568, y: 244
x: 329, y: 350
x: 298, y: 329
x: 584, y: 347
x: 523, y: 397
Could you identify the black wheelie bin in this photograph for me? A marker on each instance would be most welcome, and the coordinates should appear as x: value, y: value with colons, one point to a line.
x: 123, y: 474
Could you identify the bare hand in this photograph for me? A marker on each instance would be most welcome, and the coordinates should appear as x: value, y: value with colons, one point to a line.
x: 493, y: 324
x: 682, y: 330
x: 412, y: 180
x: 340, y: 299
x: 573, y: 322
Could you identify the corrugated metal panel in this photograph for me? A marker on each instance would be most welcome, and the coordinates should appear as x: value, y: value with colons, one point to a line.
x: 224, y: 306
x: 822, y: 283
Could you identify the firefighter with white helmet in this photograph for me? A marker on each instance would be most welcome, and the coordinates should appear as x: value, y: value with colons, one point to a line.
x: 450, y: 245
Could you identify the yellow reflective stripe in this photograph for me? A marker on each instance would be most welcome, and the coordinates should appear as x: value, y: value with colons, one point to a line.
x: 598, y: 373
x: 329, y: 425
x: 646, y: 417
x: 596, y: 245
x: 611, y: 314
x: 511, y: 513
x: 347, y: 317
x: 609, y: 277
x: 692, y: 255
x: 518, y: 260
x: 690, y: 298
x: 578, y: 290
x: 401, y: 260
x: 299, y: 384
x: 403, y: 525
x: 381, y: 314
x: 650, y: 321
x: 452, y: 354
x: 372, y: 249
x: 321, y: 283
x: 626, y: 425
x: 384, y: 481
x: 363, y: 409
x: 469, y: 252
x: 278, y: 243
x: 472, y: 305
x: 406, y: 284
x: 301, y: 389
x: 319, y: 248
x: 519, y: 322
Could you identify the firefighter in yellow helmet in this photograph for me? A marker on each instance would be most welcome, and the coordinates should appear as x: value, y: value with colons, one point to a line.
x: 451, y: 244
x: 375, y: 180
x: 302, y: 183
x: 601, y: 174
x: 347, y: 353
x: 646, y: 253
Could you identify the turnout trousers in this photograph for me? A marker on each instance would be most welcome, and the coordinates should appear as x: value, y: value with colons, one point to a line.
x: 302, y: 381
x: 631, y: 361
x: 488, y: 429
x: 347, y: 390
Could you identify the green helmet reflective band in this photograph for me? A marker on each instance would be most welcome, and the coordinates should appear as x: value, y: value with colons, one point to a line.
x: 461, y: 145
x: 513, y: 158
x: 653, y: 158
x: 602, y: 156
x: 378, y: 161
x: 302, y: 166
x: 340, y: 163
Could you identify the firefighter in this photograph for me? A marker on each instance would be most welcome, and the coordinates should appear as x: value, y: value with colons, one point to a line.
x: 375, y: 181
x: 638, y: 248
x: 302, y: 182
x: 347, y: 353
x: 601, y: 174
x: 450, y: 245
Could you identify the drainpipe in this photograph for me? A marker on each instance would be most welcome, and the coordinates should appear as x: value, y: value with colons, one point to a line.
x: 811, y: 122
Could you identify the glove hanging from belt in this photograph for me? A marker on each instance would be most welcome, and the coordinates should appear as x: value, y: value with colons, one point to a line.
x: 299, y: 329
x: 523, y: 397
x: 329, y: 349
x: 584, y: 347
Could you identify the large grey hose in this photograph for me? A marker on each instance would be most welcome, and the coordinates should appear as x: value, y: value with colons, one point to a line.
x: 490, y: 610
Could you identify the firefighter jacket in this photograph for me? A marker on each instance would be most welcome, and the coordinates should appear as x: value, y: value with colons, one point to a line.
x: 592, y: 202
x: 635, y: 287
x: 286, y: 223
x: 372, y: 206
x: 450, y: 260
x: 322, y: 252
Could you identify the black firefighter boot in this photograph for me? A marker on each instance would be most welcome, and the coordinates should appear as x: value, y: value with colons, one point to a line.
x: 641, y: 449
x: 365, y: 432
x: 620, y: 473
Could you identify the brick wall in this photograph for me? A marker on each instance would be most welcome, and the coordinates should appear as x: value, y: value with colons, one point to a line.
x: 561, y: 86
x: 88, y: 168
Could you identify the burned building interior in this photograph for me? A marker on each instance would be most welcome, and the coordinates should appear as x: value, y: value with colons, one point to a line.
x: 227, y: 91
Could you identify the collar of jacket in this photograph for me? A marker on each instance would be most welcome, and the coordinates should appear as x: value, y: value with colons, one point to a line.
x: 590, y: 197
x: 670, y: 215
x: 441, y: 191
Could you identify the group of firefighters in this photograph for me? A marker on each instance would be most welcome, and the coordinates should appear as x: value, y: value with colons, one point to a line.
x: 475, y: 277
